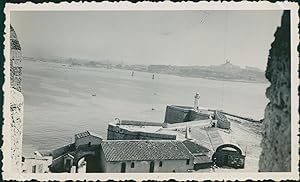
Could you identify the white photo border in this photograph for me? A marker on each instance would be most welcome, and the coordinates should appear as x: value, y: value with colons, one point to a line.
x: 150, y: 6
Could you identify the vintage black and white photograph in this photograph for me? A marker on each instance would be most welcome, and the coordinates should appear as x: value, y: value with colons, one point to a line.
x: 150, y: 91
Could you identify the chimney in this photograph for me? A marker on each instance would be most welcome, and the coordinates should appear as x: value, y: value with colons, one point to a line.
x: 187, y: 133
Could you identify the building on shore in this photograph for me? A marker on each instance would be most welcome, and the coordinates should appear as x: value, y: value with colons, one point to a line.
x: 87, y: 138
x: 85, y: 146
x: 36, y: 163
x: 90, y: 153
x: 145, y: 156
x: 190, y: 140
x: 200, y: 153
x: 115, y: 156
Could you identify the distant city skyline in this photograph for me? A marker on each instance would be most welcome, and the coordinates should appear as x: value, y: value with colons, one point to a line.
x: 184, y: 38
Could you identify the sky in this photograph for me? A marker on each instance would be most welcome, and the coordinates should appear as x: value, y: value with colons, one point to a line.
x: 150, y: 37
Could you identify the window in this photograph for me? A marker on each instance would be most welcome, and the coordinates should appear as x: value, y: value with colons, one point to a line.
x: 132, y: 165
x: 160, y: 163
x: 34, y: 169
x: 187, y: 161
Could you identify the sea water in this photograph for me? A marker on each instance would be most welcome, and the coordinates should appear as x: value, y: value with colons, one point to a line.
x: 62, y: 100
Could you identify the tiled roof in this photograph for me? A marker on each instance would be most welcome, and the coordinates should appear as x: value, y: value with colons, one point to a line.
x: 81, y: 135
x: 120, y: 150
x: 85, y: 134
x: 202, y: 159
x: 195, y: 148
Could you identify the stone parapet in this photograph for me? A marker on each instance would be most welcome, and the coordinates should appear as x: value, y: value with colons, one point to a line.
x: 222, y: 121
x: 115, y: 132
x: 140, y: 123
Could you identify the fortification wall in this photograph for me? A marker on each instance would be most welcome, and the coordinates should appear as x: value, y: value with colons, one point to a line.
x: 179, y: 114
x: 114, y: 132
x: 176, y: 114
x: 193, y: 115
x: 140, y: 123
x: 276, y: 142
x: 16, y: 102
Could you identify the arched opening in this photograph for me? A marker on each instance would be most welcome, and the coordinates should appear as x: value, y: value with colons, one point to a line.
x: 89, y: 164
x: 81, y: 165
x: 229, y: 155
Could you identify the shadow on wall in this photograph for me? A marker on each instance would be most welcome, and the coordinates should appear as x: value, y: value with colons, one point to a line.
x: 276, y: 142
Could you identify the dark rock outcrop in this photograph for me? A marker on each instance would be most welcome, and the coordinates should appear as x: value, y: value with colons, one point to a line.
x: 276, y: 142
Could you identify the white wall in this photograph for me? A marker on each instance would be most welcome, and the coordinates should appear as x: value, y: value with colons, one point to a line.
x: 144, y: 166
x: 17, y: 111
x: 41, y: 164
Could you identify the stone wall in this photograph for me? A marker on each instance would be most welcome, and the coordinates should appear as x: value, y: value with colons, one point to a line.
x: 176, y: 115
x: 179, y: 114
x: 114, y: 132
x: 276, y: 142
x: 16, y: 102
x: 15, y: 61
x: 141, y: 123
x: 16, y: 109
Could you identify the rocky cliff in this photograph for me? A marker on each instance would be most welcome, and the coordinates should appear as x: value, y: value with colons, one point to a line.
x: 276, y: 142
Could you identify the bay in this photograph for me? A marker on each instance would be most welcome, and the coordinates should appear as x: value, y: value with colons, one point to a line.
x: 61, y: 100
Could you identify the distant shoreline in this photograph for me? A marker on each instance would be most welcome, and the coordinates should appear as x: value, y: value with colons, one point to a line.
x: 95, y: 66
x: 207, y: 78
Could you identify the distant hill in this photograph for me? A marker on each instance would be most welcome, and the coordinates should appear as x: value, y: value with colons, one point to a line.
x: 226, y: 71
